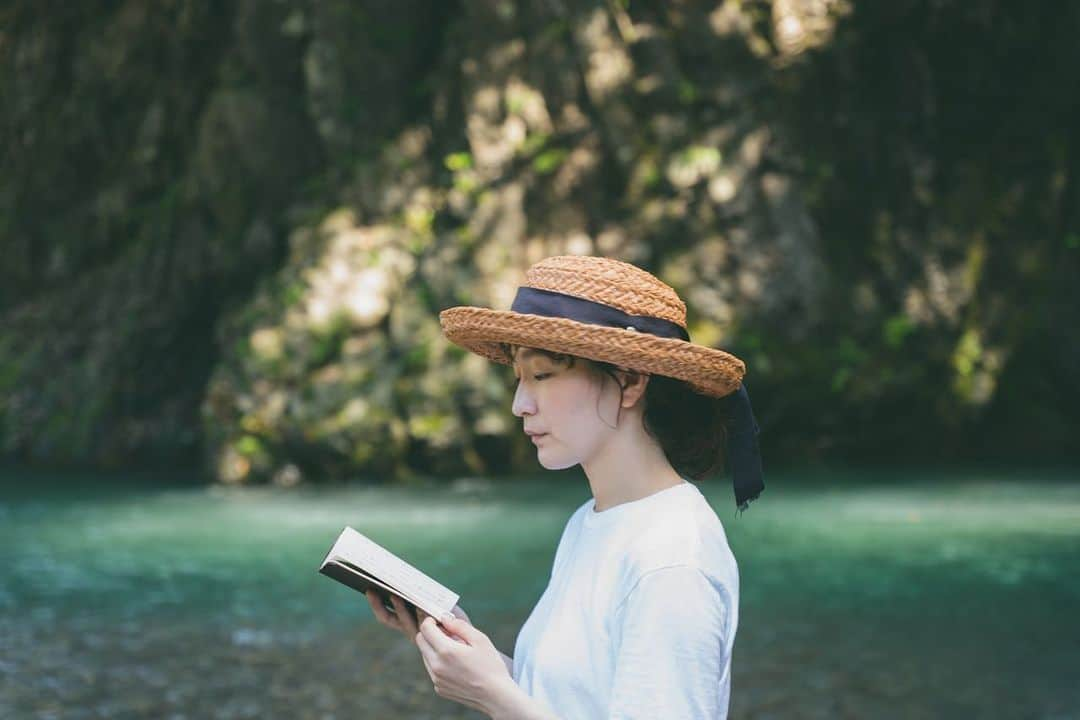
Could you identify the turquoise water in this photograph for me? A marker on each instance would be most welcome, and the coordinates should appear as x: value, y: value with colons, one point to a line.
x: 864, y: 594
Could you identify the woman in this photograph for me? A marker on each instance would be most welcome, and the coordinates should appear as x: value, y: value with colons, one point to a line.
x: 639, y: 617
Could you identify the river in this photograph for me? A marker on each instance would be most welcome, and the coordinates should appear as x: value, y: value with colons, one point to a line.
x: 865, y: 593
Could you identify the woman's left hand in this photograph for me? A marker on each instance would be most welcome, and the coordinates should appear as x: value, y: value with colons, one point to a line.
x: 465, y: 668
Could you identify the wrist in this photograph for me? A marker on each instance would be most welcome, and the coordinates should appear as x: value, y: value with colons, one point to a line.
x: 505, y: 700
x: 507, y: 661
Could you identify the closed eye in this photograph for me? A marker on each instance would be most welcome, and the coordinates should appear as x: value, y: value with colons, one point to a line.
x: 515, y: 379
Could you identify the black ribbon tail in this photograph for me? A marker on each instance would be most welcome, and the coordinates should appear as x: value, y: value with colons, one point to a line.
x: 744, y: 455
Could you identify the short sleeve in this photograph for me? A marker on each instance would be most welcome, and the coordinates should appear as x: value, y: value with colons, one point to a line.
x: 671, y: 656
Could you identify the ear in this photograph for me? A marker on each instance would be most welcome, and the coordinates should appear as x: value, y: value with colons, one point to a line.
x: 634, y: 384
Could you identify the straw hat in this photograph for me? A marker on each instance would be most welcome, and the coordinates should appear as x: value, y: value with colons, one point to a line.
x: 600, y: 309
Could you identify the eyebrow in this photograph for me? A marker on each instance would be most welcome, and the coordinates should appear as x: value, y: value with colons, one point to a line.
x: 522, y: 356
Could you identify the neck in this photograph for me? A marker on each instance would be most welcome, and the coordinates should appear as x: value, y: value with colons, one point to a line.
x: 630, y: 466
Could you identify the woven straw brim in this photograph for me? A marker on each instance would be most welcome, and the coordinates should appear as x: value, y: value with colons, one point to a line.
x: 706, y: 370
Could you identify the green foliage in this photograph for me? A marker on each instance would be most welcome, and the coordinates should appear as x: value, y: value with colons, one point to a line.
x: 688, y: 92
x: 968, y: 352
x: 130, y: 283
x: 555, y: 31
x: 549, y: 160
x: 326, y: 341
x: 699, y: 155
x: 896, y: 329
x: 292, y: 293
x: 534, y: 142
x: 250, y: 446
x: 458, y: 161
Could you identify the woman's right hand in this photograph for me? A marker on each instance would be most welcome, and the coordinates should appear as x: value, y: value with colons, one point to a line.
x: 403, y: 620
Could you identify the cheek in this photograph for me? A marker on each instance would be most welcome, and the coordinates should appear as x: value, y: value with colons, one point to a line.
x: 572, y: 412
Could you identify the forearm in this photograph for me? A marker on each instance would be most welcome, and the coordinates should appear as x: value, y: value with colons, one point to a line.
x: 510, y: 702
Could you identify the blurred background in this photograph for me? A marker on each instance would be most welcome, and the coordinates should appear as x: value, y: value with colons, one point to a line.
x: 227, y: 230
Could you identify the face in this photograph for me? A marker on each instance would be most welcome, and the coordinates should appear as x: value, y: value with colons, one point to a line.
x: 575, y: 407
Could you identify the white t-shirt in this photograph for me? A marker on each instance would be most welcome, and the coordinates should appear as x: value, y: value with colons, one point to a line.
x: 639, y: 617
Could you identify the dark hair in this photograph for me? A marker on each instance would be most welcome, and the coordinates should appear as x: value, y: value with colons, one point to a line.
x: 691, y: 428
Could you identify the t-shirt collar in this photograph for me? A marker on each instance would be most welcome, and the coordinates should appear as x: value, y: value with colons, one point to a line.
x: 606, y: 517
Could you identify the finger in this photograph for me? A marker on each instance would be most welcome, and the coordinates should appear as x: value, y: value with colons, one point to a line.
x: 373, y: 600
x: 381, y: 613
x: 439, y: 624
x: 426, y: 651
x: 421, y: 616
x: 408, y: 624
x: 376, y: 606
x: 435, y: 636
x: 404, y: 616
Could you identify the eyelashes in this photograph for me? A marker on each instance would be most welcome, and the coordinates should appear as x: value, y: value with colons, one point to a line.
x: 514, y: 379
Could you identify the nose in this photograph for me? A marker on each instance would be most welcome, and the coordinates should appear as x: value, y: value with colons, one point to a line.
x: 524, y: 403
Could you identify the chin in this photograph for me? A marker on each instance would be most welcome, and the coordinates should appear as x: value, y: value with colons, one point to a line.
x: 555, y: 463
x: 552, y: 461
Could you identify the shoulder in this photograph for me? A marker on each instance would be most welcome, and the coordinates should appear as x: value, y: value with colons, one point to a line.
x: 576, y: 518
x: 683, y: 533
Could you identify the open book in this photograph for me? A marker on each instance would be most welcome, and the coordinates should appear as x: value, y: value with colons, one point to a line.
x: 360, y: 563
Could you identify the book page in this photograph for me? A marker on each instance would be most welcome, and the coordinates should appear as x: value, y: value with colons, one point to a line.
x: 353, y: 548
x: 348, y: 574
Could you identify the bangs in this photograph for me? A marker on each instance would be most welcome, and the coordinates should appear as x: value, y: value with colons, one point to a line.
x: 566, y: 359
